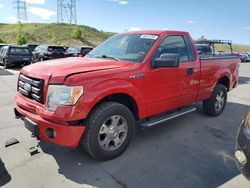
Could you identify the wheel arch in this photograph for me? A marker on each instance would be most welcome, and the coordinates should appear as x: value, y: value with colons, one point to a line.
x: 122, y: 98
x: 224, y: 80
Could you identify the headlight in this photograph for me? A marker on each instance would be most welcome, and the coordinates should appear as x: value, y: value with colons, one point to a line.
x: 62, y: 95
x: 246, y: 121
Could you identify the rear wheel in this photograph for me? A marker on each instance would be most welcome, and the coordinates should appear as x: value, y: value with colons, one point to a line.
x: 215, y: 105
x: 109, y: 131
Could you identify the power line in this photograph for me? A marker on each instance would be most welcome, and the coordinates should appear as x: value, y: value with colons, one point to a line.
x: 66, y: 11
x: 20, y: 6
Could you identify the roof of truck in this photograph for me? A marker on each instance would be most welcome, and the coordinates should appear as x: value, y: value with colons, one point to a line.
x: 157, y: 32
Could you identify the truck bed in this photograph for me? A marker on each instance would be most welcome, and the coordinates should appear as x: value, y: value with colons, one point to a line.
x: 212, y: 68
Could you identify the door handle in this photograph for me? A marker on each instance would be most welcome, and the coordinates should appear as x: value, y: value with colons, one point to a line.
x: 190, y: 71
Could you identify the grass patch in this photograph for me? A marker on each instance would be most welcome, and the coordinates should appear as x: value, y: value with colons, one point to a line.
x: 60, y: 34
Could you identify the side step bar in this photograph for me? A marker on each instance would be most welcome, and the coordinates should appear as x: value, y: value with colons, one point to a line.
x: 168, y: 117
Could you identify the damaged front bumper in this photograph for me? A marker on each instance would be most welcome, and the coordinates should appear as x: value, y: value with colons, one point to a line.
x: 50, y: 131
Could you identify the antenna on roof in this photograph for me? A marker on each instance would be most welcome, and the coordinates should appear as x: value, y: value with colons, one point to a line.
x: 20, y: 6
x: 66, y: 11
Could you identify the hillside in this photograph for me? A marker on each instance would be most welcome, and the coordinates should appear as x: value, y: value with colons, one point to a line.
x: 236, y: 48
x: 60, y: 34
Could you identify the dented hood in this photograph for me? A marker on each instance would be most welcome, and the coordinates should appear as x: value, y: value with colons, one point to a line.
x: 59, y: 69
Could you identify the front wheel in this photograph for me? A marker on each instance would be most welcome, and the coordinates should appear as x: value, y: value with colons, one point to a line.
x: 215, y: 105
x: 109, y: 130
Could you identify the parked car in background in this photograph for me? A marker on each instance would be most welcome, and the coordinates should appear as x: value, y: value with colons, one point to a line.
x: 45, y: 52
x: 244, y: 57
x: 77, y: 51
x: 15, y: 56
x: 3, y: 44
x: 242, y: 153
x: 204, y: 50
x: 30, y: 46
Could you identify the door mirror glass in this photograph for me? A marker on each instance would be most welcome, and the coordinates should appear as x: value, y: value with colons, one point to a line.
x: 166, y: 60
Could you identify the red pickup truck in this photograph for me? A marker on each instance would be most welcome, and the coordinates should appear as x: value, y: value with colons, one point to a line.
x: 146, y: 77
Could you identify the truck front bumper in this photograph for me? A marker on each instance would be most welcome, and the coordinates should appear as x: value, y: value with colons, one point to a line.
x: 61, y: 134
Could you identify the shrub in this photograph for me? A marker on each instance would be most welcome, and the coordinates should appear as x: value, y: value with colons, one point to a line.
x: 2, y: 41
x: 76, y: 33
x: 21, y: 39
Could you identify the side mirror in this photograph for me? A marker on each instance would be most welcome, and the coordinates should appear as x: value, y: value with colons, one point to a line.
x: 166, y: 60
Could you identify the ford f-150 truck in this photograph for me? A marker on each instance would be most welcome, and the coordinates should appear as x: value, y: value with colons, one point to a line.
x: 135, y: 78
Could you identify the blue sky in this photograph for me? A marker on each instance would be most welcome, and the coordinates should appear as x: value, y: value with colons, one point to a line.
x: 215, y: 19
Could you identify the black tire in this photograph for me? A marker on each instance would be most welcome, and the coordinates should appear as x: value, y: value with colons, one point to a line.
x: 97, y: 118
x: 41, y: 59
x: 212, y: 106
x: 5, y: 64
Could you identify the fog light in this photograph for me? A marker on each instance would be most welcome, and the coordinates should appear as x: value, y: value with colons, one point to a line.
x: 50, y: 133
x: 241, y: 158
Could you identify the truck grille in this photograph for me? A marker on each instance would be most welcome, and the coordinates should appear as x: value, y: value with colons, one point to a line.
x: 31, y: 88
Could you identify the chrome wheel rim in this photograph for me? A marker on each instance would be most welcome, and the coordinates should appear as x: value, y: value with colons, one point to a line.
x: 113, y: 133
x: 220, y: 100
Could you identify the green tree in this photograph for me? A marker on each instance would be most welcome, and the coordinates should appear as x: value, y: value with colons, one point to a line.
x: 2, y: 41
x: 76, y: 33
x: 202, y: 38
x: 21, y: 39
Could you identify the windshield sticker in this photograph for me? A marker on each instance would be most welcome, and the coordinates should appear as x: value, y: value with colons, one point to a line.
x: 153, y: 37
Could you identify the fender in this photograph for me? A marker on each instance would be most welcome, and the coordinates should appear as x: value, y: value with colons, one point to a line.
x: 219, y: 75
x: 110, y: 87
x: 208, y: 90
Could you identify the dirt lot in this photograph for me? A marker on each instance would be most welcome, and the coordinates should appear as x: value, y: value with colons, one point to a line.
x: 192, y: 151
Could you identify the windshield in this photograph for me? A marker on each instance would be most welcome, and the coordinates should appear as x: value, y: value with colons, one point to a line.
x: 74, y: 49
x: 19, y: 51
x: 127, y: 47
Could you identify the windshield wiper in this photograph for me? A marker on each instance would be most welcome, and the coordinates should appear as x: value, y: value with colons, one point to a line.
x: 107, y: 57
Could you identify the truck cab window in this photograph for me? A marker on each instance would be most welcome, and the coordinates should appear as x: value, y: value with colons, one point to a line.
x: 173, y: 44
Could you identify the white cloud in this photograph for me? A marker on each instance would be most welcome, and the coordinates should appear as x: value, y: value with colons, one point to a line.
x: 1, y: 6
x: 35, y: 1
x: 245, y: 28
x: 11, y: 19
x: 41, y: 12
x: 134, y: 29
x: 121, y: 2
x: 190, y: 21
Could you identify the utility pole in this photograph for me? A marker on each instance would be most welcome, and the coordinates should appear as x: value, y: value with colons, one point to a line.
x: 66, y: 11
x: 20, y: 6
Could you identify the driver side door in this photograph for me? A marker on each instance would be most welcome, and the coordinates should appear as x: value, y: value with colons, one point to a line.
x: 172, y: 87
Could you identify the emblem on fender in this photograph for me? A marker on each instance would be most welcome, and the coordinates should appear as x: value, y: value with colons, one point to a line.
x: 137, y: 76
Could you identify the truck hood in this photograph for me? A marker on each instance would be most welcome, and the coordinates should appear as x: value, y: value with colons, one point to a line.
x: 59, y: 69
